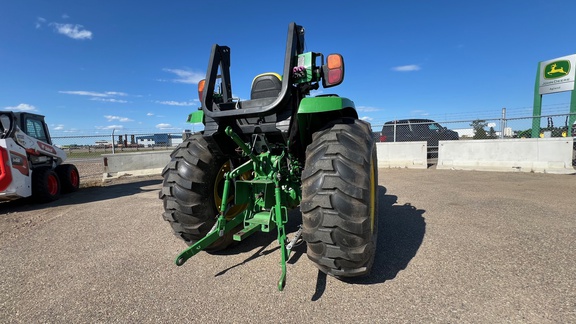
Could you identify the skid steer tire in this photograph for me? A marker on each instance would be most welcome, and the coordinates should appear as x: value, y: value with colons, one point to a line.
x: 339, y: 202
x: 191, y: 179
x: 69, y: 177
x: 45, y: 185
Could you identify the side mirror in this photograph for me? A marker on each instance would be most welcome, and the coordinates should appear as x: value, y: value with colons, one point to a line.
x: 333, y: 71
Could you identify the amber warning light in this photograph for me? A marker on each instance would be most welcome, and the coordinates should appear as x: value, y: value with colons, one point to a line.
x: 201, y: 85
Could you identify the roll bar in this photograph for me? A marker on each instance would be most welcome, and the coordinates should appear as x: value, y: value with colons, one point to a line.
x: 220, y: 58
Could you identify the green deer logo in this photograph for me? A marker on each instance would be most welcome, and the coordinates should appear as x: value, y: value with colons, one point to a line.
x: 557, y: 69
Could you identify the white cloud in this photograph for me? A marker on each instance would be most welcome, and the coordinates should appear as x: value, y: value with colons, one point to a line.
x: 185, y: 76
x: 99, y: 96
x: 22, y: 107
x: 150, y: 114
x: 73, y: 31
x: 110, y: 127
x: 115, y: 93
x: 58, y: 127
x: 108, y: 100
x: 95, y: 94
x: 118, y: 118
x: 367, y: 109
x: 40, y: 22
x: 420, y: 112
x: 65, y: 16
x: 175, y: 103
x: 85, y: 93
x: 366, y: 118
x: 164, y: 126
x: 406, y: 68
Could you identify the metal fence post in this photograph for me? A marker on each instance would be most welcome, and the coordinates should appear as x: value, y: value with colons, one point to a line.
x: 113, y: 140
x: 503, y: 123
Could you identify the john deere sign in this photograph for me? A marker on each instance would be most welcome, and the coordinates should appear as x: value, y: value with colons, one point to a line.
x: 557, y: 75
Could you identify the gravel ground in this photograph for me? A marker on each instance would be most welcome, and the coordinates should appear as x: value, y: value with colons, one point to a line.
x: 91, y: 175
x: 454, y: 247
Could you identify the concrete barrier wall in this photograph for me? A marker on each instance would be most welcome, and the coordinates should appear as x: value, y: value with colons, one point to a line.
x: 545, y: 155
x: 390, y: 155
x: 135, y: 164
x: 410, y: 155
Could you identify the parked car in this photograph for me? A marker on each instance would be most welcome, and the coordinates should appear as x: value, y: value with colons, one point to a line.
x: 406, y: 130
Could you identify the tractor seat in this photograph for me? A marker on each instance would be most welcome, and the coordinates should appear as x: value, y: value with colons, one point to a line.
x: 266, y: 85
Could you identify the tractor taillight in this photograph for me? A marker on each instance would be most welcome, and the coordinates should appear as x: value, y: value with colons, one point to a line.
x: 201, y: 85
x: 5, y: 171
x: 334, y: 76
x: 333, y: 71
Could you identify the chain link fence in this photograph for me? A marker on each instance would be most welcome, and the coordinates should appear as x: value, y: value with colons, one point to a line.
x: 557, y: 125
x: 86, y: 146
x: 85, y: 151
x: 430, y: 131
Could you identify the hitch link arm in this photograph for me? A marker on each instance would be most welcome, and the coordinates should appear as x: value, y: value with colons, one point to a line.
x: 221, y: 226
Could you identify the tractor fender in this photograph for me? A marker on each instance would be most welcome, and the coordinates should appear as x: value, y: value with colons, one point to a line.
x: 315, y: 113
x: 325, y: 103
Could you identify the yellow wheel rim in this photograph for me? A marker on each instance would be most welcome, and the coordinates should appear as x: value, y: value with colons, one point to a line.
x: 218, y: 188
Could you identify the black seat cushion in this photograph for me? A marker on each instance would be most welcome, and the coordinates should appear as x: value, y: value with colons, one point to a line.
x: 266, y: 85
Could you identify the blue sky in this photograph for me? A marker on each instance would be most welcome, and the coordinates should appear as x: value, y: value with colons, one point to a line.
x: 92, y: 66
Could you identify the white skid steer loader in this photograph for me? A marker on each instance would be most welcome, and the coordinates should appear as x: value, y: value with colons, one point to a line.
x: 30, y: 165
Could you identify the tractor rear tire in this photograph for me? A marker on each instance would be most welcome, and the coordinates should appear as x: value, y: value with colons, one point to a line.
x: 191, y: 179
x: 339, y: 201
x: 45, y: 185
x: 69, y: 177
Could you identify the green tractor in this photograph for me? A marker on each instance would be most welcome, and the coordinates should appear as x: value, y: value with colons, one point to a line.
x: 257, y: 159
